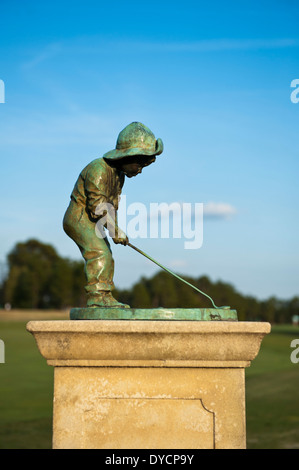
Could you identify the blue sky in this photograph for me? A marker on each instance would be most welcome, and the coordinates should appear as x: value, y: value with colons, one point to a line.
x: 211, y: 79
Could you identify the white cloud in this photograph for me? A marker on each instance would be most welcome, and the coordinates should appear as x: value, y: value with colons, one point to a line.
x: 98, y: 45
x: 178, y: 263
x: 222, y: 45
x: 48, y: 52
x: 69, y: 128
x: 219, y: 210
x: 210, y: 209
x: 163, y: 211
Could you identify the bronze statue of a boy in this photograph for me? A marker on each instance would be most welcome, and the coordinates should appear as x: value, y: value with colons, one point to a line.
x: 99, y: 187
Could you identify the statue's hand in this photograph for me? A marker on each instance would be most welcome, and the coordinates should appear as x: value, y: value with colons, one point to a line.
x: 122, y: 241
x: 120, y: 237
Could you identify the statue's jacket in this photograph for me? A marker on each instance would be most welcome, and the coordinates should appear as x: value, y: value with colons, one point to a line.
x: 97, y: 183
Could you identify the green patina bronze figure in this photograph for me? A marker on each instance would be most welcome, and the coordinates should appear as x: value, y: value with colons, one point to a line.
x: 92, y: 213
x: 94, y: 204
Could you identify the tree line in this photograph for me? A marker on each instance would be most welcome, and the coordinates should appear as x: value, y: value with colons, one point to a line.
x: 39, y: 278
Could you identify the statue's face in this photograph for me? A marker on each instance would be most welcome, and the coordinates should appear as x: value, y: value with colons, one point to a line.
x: 131, y: 169
x: 134, y: 165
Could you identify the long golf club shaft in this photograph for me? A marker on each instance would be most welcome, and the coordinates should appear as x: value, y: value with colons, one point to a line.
x: 170, y: 272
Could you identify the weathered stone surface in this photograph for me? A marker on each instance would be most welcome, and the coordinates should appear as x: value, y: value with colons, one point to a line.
x: 149, y: 384
x: 150, y: 408
x: 148, y: 343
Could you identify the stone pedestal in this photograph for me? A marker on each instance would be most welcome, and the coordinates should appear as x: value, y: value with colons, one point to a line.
x: 127, y: 384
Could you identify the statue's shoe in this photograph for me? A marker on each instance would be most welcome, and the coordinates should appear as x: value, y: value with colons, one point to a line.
x: 104, y: 299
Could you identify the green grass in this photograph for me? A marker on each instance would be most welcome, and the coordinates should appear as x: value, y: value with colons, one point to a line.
x: 272, y: 398
x: 26, y: 392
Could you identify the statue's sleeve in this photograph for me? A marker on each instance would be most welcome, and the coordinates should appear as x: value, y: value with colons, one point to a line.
x: 96, y: 190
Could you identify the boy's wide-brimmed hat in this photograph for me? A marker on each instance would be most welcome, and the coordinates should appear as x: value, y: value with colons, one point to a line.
x: 135, y: 139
